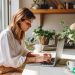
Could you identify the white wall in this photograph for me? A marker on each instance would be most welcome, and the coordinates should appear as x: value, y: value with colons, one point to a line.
x: 51, y: 21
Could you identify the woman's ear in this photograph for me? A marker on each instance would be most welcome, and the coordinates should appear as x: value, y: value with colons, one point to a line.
x: 19, y: 23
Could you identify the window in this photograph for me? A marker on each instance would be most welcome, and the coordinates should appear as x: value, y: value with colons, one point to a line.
x: 0, y: 14
x: 4, y: 6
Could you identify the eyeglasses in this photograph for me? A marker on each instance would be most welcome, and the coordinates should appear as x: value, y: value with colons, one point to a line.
x: 22, y: 19
x: 28, y: 23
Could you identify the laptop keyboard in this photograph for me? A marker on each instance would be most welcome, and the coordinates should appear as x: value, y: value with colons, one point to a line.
x: 51, y: 63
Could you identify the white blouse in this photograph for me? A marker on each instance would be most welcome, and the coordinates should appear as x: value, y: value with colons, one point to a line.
x: 12, y: 54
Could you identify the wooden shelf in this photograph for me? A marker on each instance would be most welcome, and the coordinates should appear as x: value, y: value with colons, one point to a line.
x: 42, y: 12
x: 53, y: 11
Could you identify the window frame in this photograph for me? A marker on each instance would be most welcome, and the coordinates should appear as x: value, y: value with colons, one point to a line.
x: 5, y: 14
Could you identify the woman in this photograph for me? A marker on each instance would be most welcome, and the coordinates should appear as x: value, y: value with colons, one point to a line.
x: 12, y: 52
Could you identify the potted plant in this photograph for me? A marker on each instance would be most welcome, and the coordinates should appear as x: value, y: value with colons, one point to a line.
x: 69, y: 36
x: 43, y: 36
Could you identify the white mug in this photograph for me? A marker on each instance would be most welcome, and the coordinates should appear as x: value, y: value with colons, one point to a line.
x: 70, y: 64
x: 38, y: 48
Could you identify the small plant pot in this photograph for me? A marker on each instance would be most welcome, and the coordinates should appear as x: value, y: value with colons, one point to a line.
x: 43, y: 40
x: 44, y: 6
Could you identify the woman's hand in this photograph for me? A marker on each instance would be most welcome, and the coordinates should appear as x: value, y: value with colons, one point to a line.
x: 30, y: 54
x: 47, y: 57
x: 43, y: 58
x: 40, y: 57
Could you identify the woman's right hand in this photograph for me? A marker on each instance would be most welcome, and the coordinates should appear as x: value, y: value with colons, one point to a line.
x: 43, y: 58
x: 47, y: 57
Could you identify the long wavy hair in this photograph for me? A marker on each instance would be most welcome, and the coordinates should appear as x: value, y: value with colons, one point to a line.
x: 20, y: 16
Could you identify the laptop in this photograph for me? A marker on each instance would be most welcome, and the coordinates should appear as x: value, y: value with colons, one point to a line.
x: 58, y: 54
x: 54, y: 60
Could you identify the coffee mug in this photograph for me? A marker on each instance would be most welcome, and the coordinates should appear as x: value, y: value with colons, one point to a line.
x: 38, y: 48
x: 71, y: 65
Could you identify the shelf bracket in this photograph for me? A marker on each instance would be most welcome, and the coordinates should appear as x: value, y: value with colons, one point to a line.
x: 41, y: 19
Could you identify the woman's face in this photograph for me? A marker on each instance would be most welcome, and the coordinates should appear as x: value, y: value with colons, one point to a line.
x: 25, y: 25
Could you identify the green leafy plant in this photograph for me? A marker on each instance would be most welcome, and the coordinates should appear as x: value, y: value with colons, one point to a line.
x: 29, y: 43
x: 67, y: 33
x: 64, y: 33
x: 68, y: 36
x: 43, y: 35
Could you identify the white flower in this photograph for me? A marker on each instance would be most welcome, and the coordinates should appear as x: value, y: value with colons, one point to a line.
x: 70, y: 37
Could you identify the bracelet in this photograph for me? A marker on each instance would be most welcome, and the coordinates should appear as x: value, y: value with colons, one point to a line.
x: 35, y: 59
